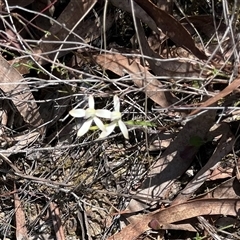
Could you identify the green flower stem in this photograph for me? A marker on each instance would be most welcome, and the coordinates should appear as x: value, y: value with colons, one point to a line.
x: 131, y: 123
x: 140, y: 123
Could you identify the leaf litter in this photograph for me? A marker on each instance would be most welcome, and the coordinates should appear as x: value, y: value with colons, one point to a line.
x: 178, y: 172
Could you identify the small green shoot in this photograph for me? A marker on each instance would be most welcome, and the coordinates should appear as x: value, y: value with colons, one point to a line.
x: 198, y: 237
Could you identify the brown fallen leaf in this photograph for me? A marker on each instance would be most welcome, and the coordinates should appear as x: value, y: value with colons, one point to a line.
x: 178, y: 213
x: 21, y: 95
x: 142, y: 78
x: 204, y: 24
x: 196, y: 208
x: 154, y: 224
x: 171, y: 27
x: 228, y: 189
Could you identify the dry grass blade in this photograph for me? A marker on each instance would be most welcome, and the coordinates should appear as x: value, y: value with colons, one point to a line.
x: 18, y: 173
x: 76, y: 27
x: 208, y: 227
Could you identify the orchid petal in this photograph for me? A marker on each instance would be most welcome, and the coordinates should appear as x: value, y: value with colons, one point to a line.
x: 91, y: 102
x: 99, y: 123
x: 103, y: 134
x: 85, y: 127
x: 123, y: 129
x: 90, y: 112
x: 110, y: 127
x: 116, y: 103
x: 103, y: 113
x: 78, y: 113
x: 116, y: 115
x: 109, y: 130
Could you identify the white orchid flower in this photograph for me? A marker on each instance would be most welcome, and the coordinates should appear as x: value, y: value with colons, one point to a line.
x: 91, y: 114
x: 116, y: 118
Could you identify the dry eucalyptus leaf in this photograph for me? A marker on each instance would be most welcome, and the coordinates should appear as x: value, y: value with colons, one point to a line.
x: 142, y: 78
x: 171, y: 27
x: 178, y: 213
x: 14, y: 88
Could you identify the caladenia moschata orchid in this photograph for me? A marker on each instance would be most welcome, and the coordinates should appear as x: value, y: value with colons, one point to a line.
x: 116, y: 118
x: 92, y: 115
